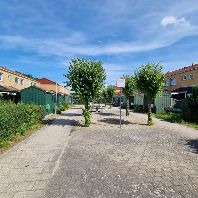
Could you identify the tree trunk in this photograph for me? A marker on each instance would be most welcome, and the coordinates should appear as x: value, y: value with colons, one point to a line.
x: 127, y: 106
x: 150, y: 121
x: 87, y: 114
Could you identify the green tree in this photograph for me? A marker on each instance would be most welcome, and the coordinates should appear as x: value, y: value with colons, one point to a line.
x: 128, y: 90
x: 193, y: 99
x: 111, y: 92
x: 86, y: 78
x: 104, y: 95
x: 150, y: 81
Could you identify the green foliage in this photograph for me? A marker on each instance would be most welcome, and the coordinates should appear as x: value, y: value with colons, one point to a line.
x: 150, y: 81
x: 111, y: 92
x: 87, y: 79
x: 129, y: 90
x: 193, y: 99
x: 130, y: 86
x: 62, y: 107
x: 17, y: 118
x: 87, y: 115
x: 108, y: 93
x: 171, y: 117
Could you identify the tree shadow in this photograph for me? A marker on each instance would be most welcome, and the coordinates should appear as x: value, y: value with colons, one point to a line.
x: 64, y: 122
x: 193, y: 144
x: 71, y: 114
x: 114, y: 121
x: 106, y: 114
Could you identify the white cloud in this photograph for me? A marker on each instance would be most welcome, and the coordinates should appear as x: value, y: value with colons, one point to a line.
x: 171, y: 20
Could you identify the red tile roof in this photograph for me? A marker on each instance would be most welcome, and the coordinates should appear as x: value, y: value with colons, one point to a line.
x: 183, y: 70
x: 15, y: 72
x: 46, y: 81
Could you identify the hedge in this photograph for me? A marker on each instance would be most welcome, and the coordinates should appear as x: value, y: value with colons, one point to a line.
x: 18, y: 118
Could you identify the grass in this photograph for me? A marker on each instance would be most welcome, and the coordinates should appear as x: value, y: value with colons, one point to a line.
x: 175, y: 118
x: 15, y: 139
x: 73, y: 129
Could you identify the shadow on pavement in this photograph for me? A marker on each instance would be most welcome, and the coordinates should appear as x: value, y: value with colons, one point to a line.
x: 106, y: 114
x: 115, y: 121
x: 71, y: 114
x: 193, y: 144
x: 63, y: 122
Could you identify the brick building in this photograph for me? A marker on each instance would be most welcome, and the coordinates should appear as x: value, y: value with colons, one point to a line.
x: 12, y: 81
x: 53, y: 86
x: 181, y: 79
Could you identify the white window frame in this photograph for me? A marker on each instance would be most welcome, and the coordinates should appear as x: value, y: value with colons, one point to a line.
x: 22, y: 82
x: 1, y: 76
x: 190, y: 76
x: 166, y: 83
x: 9, y: 77
x: 173, y: 80
x: 184, y: 77
x: 16, y: 82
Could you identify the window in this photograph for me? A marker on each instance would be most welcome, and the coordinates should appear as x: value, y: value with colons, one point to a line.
x: 1, y: 76
x: 22, y: 82
x: 184, y: 77
x: 9, y: 77
x: 166, y: 83
x: 173, y: 81
x: 191, y: 76
x: 16, y: 81
x: 28, y: 82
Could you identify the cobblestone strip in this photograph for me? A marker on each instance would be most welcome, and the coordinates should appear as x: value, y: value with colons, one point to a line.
x: 26, y: 169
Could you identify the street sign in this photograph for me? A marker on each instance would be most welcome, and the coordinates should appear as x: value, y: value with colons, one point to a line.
x: 121, y: 83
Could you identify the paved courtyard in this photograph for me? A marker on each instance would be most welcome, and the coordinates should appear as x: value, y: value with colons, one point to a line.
x: 103, y: 160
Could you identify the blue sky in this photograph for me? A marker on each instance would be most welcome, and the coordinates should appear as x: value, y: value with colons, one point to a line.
x: 40, y: 37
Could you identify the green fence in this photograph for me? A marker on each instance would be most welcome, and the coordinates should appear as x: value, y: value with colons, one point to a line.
x: 35, y: 95
x: 159, y: 104
x: 162, y: 102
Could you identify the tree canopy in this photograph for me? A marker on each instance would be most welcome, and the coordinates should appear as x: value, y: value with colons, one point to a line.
x: 150, y: 81
x: 129, y: 89
x: 86, y: 78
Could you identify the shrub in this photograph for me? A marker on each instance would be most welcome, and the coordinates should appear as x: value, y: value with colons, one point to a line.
x: 171, y: 117
x: 18, y: 118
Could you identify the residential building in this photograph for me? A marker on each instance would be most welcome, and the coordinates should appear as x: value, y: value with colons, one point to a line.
x: 53, y: 86
x: 12, y: 81
x: 181, y: 78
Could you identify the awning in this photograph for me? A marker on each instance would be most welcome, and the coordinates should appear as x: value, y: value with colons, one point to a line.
x: 4, y: 88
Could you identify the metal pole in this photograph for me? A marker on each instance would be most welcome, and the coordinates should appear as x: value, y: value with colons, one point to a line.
x: 56, y: 99
x: 120, y: 106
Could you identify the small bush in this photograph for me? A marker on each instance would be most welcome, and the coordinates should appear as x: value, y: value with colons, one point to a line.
x: 65, y: 106
x: 171, y: 117
x: 18, y: 118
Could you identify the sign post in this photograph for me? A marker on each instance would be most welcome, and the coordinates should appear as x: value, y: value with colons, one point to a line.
x: 120, y: 84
